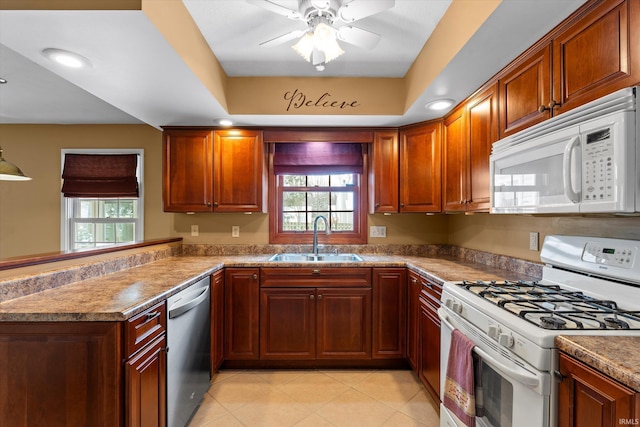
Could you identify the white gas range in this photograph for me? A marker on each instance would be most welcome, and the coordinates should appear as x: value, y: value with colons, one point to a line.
x: 589, y: 286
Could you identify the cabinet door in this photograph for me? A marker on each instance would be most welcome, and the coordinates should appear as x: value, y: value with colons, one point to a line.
x: 241, y: 293
x: 429, y: 356
x: 187, y: 171
x: 420, y: 169
x: 595, y: 55
x: 383, y: 176
x: 454, y: 161
x: 587, y: 398
x: 146, y: 388
x: 482, y: 119
x: 287, y: 323
x: 217, y: 320
x: 413, y: 292
x: 239, y: 171
x: 343, y: 323
x: 389, y: 313
x: 525, y: 92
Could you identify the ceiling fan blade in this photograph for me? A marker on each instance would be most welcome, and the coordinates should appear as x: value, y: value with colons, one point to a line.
x: 283, y: 38
x: 358, y: 9
x: 276, y: 8
x: 358, y: 37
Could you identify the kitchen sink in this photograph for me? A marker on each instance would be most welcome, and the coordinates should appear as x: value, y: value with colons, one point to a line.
x: 316, y: 258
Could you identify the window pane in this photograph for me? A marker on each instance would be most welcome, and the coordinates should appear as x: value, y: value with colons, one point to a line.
x: 342, y: 180
x: 294, y: 201
x: 108, y: 209
x: 294, y: 221
x: 125, y: 232
x: 127, y: 209
x: 318, y: 201
x: 342, y: 201
x: 318, y: 181
x: 105, y: 233
x: 294, y: 181
x: 84, y: 233
x: 86, y: 208
x: 312, y: 217
x: 342, y: 221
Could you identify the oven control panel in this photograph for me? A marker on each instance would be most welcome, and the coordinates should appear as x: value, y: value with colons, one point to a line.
x: 611, y: 255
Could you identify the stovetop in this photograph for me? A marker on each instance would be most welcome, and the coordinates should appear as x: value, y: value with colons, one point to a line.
x: 550, y: 306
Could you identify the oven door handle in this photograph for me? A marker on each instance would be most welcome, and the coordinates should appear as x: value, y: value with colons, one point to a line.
x: 528, y: 380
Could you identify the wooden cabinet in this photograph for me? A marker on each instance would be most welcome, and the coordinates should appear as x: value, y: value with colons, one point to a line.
x: 217, y: 320
x: 389, y: 329
x: 315, y: 313
x: 187, y: 172
x: 413, y: 293
x: 469, y: 132
x: 429, y: 348
x: 242, y: 310
x: 146, y: 368
x: 596, y: 53
x: 420, y: 168
x: 207, y: 171
x: 587, y: 398
x: 592, y: 53
x: 383, y: 173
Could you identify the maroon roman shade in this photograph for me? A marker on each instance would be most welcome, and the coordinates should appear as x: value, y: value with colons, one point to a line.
x: 317, y: 158
x: 100, y: 175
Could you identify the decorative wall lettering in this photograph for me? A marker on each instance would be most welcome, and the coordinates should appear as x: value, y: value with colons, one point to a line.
x: 298, y: 99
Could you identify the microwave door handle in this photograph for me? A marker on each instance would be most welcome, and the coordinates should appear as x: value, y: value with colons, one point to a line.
x: 566, y: 169
x: 528, y: 380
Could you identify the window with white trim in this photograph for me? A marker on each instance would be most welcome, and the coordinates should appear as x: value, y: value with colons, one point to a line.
x: 95, y: 222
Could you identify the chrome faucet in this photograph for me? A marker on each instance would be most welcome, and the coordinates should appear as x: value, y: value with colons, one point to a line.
x: 315, y: 232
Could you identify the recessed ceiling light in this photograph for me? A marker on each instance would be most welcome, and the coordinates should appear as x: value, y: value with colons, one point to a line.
x: 440, y: 104
x: 3, y: 81
x: 225, y: 122
x: 66, y: 58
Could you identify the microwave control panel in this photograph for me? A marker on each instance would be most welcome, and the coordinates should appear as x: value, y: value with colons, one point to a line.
x: 597, y: 166
x: 612, y: 255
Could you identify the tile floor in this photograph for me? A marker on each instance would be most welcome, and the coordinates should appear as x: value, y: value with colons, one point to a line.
x: 314, y: 398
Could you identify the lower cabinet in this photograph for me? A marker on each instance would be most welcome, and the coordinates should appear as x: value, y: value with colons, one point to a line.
x: 587, y: 398
x: 413, y: 337
x: 429, y: 370
x: 299, y: 321
x: 389, y: 330
x: 242, y: 311
x: 217, y: 320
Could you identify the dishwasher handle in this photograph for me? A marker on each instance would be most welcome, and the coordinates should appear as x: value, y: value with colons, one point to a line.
x: 184, y: 307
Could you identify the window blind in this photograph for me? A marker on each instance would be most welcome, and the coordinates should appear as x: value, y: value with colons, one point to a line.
x: 100, y: 175
x: 309, y: 158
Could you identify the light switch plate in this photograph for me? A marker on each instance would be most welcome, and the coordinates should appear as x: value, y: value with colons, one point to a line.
x: 235, y: 231
x: 533, y: 241
x: 195, y: 231
x: 377, y: 231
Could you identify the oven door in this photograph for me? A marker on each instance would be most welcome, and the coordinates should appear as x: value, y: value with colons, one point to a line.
x: 514, y: 394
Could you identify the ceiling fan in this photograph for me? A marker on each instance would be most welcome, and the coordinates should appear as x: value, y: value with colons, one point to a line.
x: 318, y: 43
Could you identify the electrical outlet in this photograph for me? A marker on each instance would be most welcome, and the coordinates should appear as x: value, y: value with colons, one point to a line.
x: 533, y: 240
x: 378, y: 231
x: 195, y: 231
x: 235, y: 231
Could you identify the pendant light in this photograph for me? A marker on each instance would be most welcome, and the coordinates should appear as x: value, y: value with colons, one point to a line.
x: 10, y: 172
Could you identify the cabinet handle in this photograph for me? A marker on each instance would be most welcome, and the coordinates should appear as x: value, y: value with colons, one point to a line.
x: 152, y: 315
x: 311, y: 296
x: 255, y: 276
x: 414, y: 280
x: 209, y: 204
x: 402, y: 205
x: 377, y: 205
x: 553, y: 104
x: 315, y: 271
x: 542, y: 109
x: 558, y: 376
x: 320, y: 296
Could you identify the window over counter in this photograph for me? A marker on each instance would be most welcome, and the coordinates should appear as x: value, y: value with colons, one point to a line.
x: 309, y: 179
x: 102, y: 198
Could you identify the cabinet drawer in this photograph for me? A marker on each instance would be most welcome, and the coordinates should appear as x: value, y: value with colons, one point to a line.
x: 315, y: 276
x: 145, y: 327
x: 428, y: 287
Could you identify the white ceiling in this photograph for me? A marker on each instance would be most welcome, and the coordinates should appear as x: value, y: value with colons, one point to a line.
x: 137, y: 77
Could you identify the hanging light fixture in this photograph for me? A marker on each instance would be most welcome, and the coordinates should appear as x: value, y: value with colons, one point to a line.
x: 10, y: 172
x: 320, y: 45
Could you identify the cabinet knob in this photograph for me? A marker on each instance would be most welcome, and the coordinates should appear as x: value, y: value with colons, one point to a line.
x: 558, y: 376
x: 553, y: 104
x: 320, y: 296
x: 209, y: 204
x: 315, y: 271
x: 311, y: 296
x: 542, y: 109
x: 402, y: 205
x: 215, y: 204
x: 377, y: 205
x: 255, y: 276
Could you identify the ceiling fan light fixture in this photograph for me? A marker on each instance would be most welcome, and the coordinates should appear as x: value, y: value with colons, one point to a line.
x: 323, y: 38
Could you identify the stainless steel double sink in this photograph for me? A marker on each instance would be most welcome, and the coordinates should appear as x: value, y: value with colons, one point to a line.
x: 315, y: 258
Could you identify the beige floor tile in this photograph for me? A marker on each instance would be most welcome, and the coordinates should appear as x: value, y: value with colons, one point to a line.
x: 399, y: 419
x: 394, y: 388
x: 315, y: 420
x: 354, y: 408
x: 226, y: 421
x: 314, y: 389
x: 226, y: 374
x: 348, y: 377
x: 279, y: 377
x: 275, y: 409
x: 209, y: 410
x: 239, y: 390
x: 421, y: 408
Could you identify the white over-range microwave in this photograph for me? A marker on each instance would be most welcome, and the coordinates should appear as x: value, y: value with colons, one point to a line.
x: 586, y: 160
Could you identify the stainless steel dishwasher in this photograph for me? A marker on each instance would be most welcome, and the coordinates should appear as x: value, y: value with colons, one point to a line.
x: 188, y: 359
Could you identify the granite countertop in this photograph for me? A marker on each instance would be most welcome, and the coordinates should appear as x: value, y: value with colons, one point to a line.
x: 121, y: 295
x: 615, y: 356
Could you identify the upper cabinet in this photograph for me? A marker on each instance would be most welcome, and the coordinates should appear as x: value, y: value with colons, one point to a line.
x: 420, y: 168
x: 207, y: 171
x: 469, y: 132
x: 591, y: 54
x: 383, y: 173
